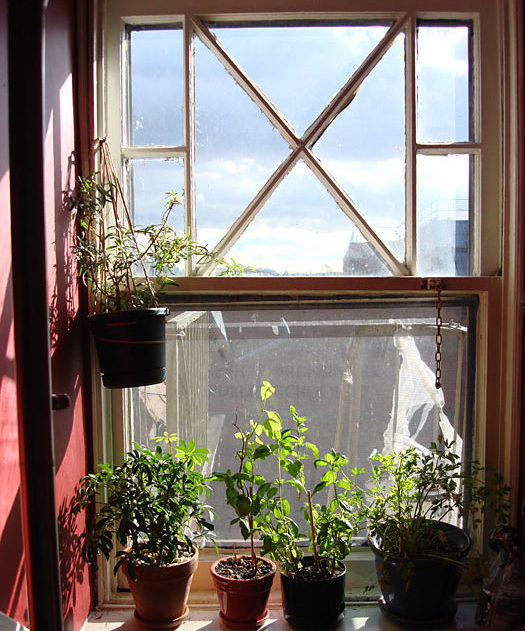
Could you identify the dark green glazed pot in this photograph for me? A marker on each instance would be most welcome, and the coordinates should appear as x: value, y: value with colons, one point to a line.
x: 420, y: 590
x: 313, y: 604
x: 131, y: 346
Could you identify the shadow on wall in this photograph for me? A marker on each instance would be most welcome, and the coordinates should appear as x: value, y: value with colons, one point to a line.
x: 12, y: 576
x: 12, y: 581
x: 73, y: 569
x: 63, y: 302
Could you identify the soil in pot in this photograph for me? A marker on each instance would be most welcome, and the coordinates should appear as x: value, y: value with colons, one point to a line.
x: 420, y: 590
x: 243, y: 594
x: 161, y: 593
x: 315, y: 597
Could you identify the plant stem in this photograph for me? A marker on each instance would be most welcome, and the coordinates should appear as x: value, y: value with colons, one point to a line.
x: 252, y: 545
x: 112, y: 177
x: 312, y: 527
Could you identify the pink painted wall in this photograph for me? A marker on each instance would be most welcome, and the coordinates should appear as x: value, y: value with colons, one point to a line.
x: 66, y: 330
x: 12, y: 586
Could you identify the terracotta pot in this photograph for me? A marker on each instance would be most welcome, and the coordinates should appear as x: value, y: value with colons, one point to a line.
x: 243, y: 602
x: 161, y: 592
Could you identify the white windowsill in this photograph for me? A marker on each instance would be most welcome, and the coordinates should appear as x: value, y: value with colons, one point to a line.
x: 366, y: 617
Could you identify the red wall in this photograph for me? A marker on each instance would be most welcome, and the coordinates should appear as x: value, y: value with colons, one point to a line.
x: 12, y: 587
x: 66, y: 329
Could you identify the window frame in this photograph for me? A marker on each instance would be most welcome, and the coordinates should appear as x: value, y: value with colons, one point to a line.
x: 485, y: 225
x: 496, y: 265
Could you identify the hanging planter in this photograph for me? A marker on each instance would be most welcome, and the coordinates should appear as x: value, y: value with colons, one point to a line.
x: 125, y: 266
x: 131, y: 346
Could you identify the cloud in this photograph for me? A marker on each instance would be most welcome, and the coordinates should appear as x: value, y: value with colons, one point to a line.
x: 443, y: 48
x: 296, y: 251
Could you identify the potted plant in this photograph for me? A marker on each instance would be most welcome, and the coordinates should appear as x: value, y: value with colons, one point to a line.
x: 243, y: 583
x: 125, y: 266
x: 313, y: 586
x: 419, y: 555
x: 151, y: 506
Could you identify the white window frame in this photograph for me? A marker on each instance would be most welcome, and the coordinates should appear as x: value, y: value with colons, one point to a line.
x: 486, y: 227
x: 496, y: 265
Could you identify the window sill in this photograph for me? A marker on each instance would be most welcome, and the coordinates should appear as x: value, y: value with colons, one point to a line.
x: 366, y: 617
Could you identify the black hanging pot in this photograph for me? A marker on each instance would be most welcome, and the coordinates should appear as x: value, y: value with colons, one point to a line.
x: 131, y: 346
x: 420, y: 590
x: 314, y: 604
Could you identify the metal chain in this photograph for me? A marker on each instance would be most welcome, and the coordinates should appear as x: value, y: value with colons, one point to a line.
x: 439, y: 338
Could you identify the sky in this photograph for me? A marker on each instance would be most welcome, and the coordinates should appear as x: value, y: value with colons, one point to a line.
x: 301, y: 230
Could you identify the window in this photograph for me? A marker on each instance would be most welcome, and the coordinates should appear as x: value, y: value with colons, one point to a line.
x: 342, y: 156
x: 295, y: 170
x: 362, y: 374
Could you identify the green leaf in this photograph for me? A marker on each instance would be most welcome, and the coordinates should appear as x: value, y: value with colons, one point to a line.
x: 329, y: 477
x: 319, y: 487
x: 262, y: 451
x: 266, y: 390
x: 243, y: 506
x: 293, y: 468
x: 274, y: 419
x: 313, y: 448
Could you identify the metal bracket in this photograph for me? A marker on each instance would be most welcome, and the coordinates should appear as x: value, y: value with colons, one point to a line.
x: 432, y: 283
x: 60, y: 401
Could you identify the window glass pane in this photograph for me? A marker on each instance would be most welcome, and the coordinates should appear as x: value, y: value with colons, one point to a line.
x: 301, y: 231
x: 363, y: 377
x: 289, y: 63
x: 149, y: 181
x: 364, y: 149
x: 443, y: 99
x: 236, y: 147
x: 156, y: 71
x: 443, y: 216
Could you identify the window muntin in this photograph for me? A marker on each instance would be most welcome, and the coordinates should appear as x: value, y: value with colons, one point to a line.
x: 364, y: 148
x: 288, y: 61
x: 236, y: 147
x: 239, y: 165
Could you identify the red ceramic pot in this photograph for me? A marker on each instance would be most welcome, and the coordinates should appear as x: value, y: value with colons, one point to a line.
x: 161, y: 592
x: 243, y: 601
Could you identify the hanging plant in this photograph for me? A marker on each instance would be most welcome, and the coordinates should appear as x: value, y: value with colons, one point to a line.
x: 125, y: 268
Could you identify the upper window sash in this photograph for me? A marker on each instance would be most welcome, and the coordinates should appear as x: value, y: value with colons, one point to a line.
x: 484, y: 137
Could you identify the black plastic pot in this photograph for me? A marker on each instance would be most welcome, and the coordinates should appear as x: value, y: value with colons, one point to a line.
x: 420, y: 590
x: 313, y: 604
x: 131, y: 346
